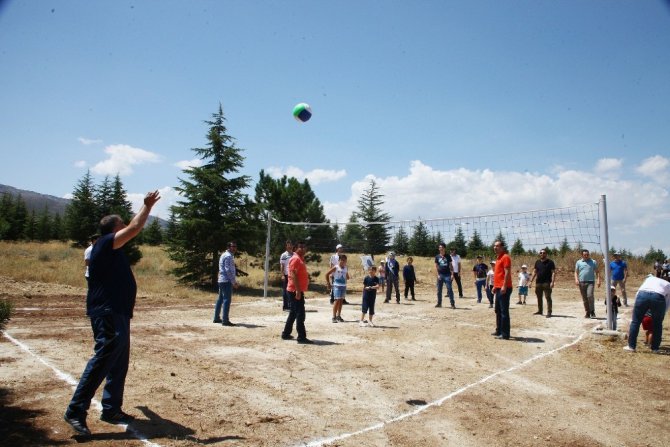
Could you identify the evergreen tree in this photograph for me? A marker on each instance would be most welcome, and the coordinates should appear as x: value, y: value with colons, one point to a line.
x: 564, y: 247
x: 370, y: 210
x: 104, y: 199
x: 153, y: 233
x: 653, y: 255
x: 421, y: 244
x: 290, y: 200
x: 43, y: 226
x: 459, y: 244
x: 81, y: 215
x: 352, y: 237
x: 30, y: 227
x: 517, y: 248
x: 501, y: 238
x: 401, y: 241
x: 6, y: 216
x: 58, y: 229
x: 476, y: 245
x: 18, y: 219
x: 214, y: 208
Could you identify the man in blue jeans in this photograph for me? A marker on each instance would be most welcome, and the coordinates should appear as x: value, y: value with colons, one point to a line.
x: 443, y: 269
x: 109, y: 304
x: 227, y: 281
x: 653, y: 295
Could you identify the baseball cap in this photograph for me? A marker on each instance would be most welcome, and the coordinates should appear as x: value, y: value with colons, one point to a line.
x: 479, y: 256
x: 493, y: 262
x: 392, y: 253
x: 338, y: 246
x: 524, y: 266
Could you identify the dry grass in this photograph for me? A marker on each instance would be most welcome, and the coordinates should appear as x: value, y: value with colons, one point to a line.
x: 59, y: 263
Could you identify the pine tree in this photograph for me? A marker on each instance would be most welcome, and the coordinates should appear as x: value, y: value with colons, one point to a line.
x: 30, y: 227
x: 421, y: 244
x: 501, y: 238
x: 104, y: 199
x: 517, y: 248
x: 18, y: 219
x: 564, y: 248
x: 476, y: 246
x: 401, y: 241
x: 57, y: 229
x: 352, y: 237
x: 43, y: 226
x: 370, y: 210
x: 153, y: 233
x: 6, y: 216
x: 459, y: 244
x: 214, y: 208
x: 81, y: 215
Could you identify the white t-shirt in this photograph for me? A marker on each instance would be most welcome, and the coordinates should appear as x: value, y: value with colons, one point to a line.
x: 524, y: 278
x: 657, y: 285
x: 283, y: 261
x: 489, y: 277
x: 334, y: 260
x: 455, y: 263
x: 87, y: 257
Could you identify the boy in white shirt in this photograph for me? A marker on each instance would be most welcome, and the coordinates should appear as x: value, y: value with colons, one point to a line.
x: 524, y: 279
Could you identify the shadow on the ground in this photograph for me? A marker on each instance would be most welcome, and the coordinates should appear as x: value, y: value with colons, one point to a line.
x: 17, y: 425
x: 527, y: 339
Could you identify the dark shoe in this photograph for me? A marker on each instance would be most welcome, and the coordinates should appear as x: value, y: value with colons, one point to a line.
x: 519, y: 302
x: 332, y: 300
x: 413, y: 299
x: 78, y: 424
x: 387, y: 301
x: 228, y: 323
x: 537, y: 313
x: 593, y: 314
x: 490, y: 306
x: 218, y: 320
x: 495, y: 334
x: 453, y: 306
x: 344, y: 301
x: 117, y: 418
x: 501, y: 337
x: 397, y: 301
x: 548, y: 314
x: 305, y: 341
x: 287, y: 337
x: 587, y: 315
x: 339, y: 318
x: 438, y: 305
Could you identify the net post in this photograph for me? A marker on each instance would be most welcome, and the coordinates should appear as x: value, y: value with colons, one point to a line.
x: 267, y: 255
x: 605, y: 247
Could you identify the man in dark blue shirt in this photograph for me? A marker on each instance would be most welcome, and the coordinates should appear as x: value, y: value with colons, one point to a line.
x: 109, y: 305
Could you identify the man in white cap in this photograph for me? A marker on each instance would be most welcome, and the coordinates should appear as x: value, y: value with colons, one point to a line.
x: 334, y: 261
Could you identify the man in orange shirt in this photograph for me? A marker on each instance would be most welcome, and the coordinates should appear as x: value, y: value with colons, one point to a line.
x: 298, y: 280
x: 502, y: 287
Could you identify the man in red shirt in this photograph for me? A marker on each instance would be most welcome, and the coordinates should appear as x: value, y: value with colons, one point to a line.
x: 298, y: 281
x: 502, y: 287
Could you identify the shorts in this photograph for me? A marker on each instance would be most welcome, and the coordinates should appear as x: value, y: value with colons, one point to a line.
x: 647, y: 323
x: 339, y: 293
x: 523, y: 290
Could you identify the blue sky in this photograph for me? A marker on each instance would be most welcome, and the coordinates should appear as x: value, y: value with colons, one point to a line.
x: 454, y: 108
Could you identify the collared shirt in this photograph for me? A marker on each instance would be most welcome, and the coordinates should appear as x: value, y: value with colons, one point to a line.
x: 618, y: 269
x: 297, y: 265
x: 586, y: 270
x: 227, y: 271
x: 499, y: 278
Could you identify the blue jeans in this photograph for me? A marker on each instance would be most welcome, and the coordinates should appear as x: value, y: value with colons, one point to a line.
x: 110, y: 361
x: 503, y: 322
x: 656, y: 304
x: 444, y: 279
x: 296, y: 315
x: 224, y: 299
x: 479, y: 283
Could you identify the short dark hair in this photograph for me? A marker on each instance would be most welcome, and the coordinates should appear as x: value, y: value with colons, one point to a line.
x: 342, y: 257
x: 108, y: 223
x: 231, y: 244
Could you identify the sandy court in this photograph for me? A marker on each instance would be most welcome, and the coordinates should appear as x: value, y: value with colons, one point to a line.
x: 422, y: 376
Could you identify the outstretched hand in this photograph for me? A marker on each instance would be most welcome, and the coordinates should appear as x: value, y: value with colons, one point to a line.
x: 151, y: 198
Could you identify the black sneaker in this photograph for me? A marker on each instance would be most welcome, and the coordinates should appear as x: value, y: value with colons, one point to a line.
x: 453, y: 306
x: 117, y: 418
x: 228, y: 323
x: 287, y: 337
x: 218, y: 320
x: 78, y: 424
x: 344, y: 301
x: 339, y: 318
x: 305, y: 341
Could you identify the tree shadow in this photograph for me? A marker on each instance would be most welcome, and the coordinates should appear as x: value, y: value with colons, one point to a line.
x: 17, y: 425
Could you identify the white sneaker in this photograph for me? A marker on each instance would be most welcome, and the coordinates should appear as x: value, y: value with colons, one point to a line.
x: 628, y: 349
x: 372, y: 324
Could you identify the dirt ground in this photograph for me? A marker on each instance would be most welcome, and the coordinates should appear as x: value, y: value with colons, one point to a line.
x: 422, y: 377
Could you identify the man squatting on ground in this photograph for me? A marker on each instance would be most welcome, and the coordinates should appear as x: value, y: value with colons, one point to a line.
x: 109, y: 304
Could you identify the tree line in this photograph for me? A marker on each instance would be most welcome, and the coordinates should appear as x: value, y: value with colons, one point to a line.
x: 214, y: 209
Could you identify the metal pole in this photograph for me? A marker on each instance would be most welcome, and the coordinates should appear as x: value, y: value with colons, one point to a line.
x: 267, y: 255
x: 605, y: 247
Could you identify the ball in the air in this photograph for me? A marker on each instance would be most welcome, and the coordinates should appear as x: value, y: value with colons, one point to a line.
x: 302, y: 112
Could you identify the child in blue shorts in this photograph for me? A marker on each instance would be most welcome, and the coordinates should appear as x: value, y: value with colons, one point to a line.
x: 524, y: 279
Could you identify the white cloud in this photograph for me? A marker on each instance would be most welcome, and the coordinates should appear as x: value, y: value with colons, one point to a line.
x: 609, y: 167
x: 122, y: 158
x: 635, y: 209
x: 185, y: 164
x: 161, y: 209
x: 80, y: 164
x: 87, y: 141
x: 656, y: 167
x: 315, y: 176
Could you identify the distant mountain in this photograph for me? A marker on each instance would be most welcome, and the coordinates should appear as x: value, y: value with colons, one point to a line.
x: 55, y: 205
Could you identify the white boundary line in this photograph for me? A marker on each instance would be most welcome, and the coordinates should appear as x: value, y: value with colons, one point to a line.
x: 71, y: 381
x: 436, y: 403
